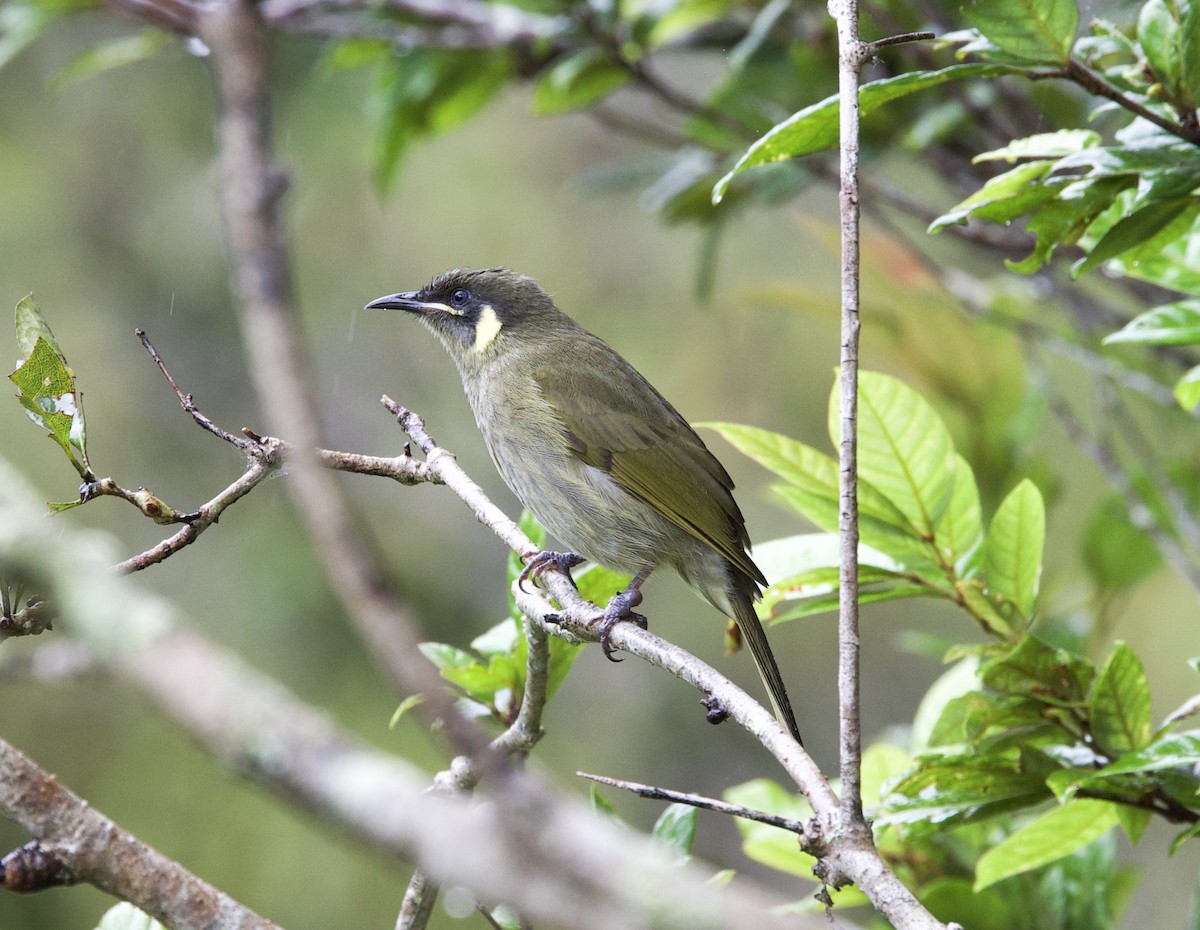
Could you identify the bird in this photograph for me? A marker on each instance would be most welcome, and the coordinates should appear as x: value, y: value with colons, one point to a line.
x: 595, y: 452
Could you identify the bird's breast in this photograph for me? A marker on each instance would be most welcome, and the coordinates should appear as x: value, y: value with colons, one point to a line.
x: 581, y: 505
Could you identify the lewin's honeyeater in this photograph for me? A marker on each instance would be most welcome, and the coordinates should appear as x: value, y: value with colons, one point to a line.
x: 594, y: 451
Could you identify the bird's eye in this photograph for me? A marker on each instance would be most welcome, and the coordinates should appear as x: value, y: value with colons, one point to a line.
x: 460, y: 297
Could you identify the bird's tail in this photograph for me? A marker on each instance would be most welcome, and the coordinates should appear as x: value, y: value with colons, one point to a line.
x: 756, y: 638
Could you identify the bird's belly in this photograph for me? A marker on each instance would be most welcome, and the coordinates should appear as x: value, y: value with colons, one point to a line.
x: 589, y: 513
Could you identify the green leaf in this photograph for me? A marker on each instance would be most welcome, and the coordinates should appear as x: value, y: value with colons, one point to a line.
x: 676, y: 829
x: 444, y: 656
x: 812, y: 489
x: 1176, y: 750
x: 1160, y: 38
x: 1052, y: 676
x: 118, y: 53
x: 954, y: 900
x: 1055, y: 834
x: 1134, y: 230
x: 1007, y: 196
x: 1063, y: 219
x: 405, y: 706
x: 125, y: 916
x: 904, y: 448
x: 578, y: 81
x: 815, y: 128
x: 1189, y: 52
x: 1119, y: 706
x: 562, y: 657
x: 959, y: 534
x: 1175, y: 324
x: 1043, y: 145
x: 425, y: 92
x: 1134, y: 821
x: 597, y: 583
x: 1187, y: 390
x: 774, y: 847
x: 1015, y: 540
x: 1190, y: 833
x: 1038, y: 31
x: 959, y: 789
x: 1116, y: 554
x: 46, y: 386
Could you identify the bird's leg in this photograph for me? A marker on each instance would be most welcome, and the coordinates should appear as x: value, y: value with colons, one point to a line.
x: 544, y: 560
x: 620, y: 607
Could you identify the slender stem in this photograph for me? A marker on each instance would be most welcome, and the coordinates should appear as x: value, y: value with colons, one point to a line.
x: 851, y: 54
x: 654, y: 793
x: 1090, y: 81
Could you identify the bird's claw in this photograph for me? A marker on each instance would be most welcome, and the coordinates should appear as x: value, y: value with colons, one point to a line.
x: 544, y: 560
x: 620, y: 607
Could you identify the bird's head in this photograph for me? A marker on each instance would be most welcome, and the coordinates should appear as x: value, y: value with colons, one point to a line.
x: 477, y: 315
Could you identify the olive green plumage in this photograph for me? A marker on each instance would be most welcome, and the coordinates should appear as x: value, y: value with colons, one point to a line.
x: 592, y: 449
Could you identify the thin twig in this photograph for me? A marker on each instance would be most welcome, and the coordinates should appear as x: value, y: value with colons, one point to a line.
x: 188, y: 404
x: 1093, y: 83
x: 655, y: 793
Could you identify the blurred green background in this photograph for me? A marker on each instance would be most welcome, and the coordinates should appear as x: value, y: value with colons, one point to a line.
x: 107, y: 192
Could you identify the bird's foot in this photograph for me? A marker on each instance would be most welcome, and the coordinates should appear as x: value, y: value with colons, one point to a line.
x: 620, y: 607
x: 541, y: 561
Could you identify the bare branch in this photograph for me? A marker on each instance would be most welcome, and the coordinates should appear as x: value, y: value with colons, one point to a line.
x: 76, y: 843
x: 851, y: 55
x: 188, y: 404
x: 251, y: 188
x: 654, y: 793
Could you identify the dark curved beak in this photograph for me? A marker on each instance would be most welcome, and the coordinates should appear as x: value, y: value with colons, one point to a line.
x: 404, y: 301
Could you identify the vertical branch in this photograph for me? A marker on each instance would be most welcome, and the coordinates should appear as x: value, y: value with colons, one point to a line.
x: 251, y: 190
x: 851, y: 53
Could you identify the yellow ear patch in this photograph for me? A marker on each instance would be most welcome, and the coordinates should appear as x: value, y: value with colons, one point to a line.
x: 487, y: 328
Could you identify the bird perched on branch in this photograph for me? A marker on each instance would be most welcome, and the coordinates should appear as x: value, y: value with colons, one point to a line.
x: 603, y: 461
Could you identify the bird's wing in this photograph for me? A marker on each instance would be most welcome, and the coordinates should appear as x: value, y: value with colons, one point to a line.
x: 615, y: 421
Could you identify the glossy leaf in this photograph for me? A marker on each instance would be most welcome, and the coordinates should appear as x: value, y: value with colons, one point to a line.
x: 1135, y: 230
x: 1043, y: 145
x: 1038, y: 31
x: 1051, y: 675
x: 1171, y: 324
x: 812, y: 488
x: 815, y: 128
x: 1005, y: 197
x: 958, y: 789
x: 1055, y: 834
x: 1160, y: 36
x: 1065, y: 218
x: 959, y: 535
x: 904, y: 448
x: 1119, y: 706
x: 1176, y: 750
x: 1015, y: 539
